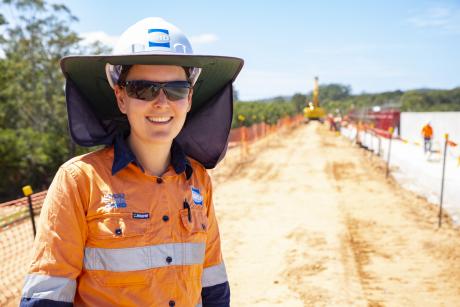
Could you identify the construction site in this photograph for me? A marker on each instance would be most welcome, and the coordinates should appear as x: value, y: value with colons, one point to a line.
x: 308, y: 218
x: 139, y: 171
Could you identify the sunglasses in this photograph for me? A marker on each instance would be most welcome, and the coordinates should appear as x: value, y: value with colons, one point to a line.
x: 149, y: 90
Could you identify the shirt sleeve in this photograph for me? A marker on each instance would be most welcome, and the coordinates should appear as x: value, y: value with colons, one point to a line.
x: 215, y: 287
x: 59, y: 245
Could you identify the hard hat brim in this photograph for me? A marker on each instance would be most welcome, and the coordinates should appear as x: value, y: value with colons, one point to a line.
x: 88, y: 74
x: 94, y: 117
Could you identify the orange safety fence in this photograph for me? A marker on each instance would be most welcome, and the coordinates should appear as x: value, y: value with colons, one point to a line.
x: 260, y: 130
x: 16, y: 238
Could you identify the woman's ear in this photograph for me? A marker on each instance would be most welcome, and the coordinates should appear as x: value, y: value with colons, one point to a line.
x: 119, y: 95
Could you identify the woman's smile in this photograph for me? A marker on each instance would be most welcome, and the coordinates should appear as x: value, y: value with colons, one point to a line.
x: 162, y: 120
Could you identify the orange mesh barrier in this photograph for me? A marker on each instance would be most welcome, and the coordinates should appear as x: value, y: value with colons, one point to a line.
x: 16, y: 238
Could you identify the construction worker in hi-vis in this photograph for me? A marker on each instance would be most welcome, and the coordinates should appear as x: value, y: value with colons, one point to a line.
x: 133, y: 223
x: 427, y: 133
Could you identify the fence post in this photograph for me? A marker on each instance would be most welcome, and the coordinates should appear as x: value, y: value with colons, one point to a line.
x: 371, y: 142
x: 27, y: 190
x: 446, y: 136
x: 390, y: 130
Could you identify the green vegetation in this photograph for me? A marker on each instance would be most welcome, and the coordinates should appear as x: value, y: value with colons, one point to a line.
x: 336, y: 96
x: 33, y: 121
x: 247, y: 113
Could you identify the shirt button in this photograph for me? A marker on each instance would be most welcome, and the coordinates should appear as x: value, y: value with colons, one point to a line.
x: 172, y: 303
x: 165, y: 218
x: 159, y: 180
x: 168, y: 259
x: 118, y: 231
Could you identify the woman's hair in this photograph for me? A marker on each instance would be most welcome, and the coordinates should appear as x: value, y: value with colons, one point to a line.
x: 123, y: 74
x: 125, y: 70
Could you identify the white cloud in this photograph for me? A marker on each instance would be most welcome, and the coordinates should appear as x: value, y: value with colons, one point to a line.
x: 443, y: 18
x: 205, y: 38
x: 106, y: 39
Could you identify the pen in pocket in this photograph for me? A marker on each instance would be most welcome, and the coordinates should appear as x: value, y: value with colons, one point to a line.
x: 187, y: 206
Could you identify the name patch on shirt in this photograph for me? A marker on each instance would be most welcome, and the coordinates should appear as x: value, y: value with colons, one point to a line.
x: 137, y: 215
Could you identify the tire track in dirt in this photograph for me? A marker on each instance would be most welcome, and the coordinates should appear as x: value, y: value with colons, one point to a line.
x: 283, y: 215
x: 401, y: 258
x: 354, y: 248
x: 318, y: 265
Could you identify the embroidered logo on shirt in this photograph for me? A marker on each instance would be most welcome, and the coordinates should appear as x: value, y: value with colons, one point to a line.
x: 196, y: 196
x: 143, y: 215
x: 114, y: 200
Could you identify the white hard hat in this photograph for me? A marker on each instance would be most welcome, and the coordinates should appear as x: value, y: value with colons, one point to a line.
x: 151, y: 36
x: 94, y: 116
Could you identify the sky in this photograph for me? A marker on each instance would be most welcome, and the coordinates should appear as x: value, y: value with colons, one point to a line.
x: 373, y: 46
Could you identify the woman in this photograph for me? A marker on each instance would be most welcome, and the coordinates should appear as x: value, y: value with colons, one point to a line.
x: 133, y: 224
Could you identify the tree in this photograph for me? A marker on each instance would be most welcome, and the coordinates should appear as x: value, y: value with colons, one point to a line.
x: 333, y: 92
x: 299, y: 101
x: 33, y: 121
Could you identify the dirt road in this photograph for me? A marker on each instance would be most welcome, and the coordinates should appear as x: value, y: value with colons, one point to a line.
x: 309, y: 220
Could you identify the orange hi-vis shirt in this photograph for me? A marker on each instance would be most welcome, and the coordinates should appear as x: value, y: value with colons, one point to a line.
x: 427, y: 131
x: 126, y: 239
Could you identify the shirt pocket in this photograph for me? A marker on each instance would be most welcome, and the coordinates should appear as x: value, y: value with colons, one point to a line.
x: 116, y: 225
x: 119, y: 279
x: 195, y: 220
x: 114, y: 231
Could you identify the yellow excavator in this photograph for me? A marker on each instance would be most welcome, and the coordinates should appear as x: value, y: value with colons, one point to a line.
x: 313, y: 111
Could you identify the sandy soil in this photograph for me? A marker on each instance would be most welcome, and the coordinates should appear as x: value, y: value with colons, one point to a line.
x: 308, y: 220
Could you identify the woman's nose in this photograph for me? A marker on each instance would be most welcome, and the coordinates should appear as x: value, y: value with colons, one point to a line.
x: 161, y: 99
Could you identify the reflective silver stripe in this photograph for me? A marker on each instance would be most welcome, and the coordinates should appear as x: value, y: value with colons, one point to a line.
x: 48, y: 287
x: 214, y: 275
x: 199, y: 305
x: 143, y: 258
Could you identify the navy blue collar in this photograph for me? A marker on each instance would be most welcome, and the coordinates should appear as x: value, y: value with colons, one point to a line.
x: 123, y: 155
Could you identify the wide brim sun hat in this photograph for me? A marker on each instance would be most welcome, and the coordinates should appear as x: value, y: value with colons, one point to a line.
x: 94, y: 117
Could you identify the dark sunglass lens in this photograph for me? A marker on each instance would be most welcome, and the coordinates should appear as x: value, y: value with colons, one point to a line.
x: 147, y: 90
x: 141, y: 90
x: 177, y: 90
x: 176, y: 93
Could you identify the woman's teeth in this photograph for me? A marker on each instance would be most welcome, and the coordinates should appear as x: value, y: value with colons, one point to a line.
x: 159, y: 119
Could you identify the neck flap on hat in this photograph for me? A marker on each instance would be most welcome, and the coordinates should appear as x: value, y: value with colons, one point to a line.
x: 204, y: 135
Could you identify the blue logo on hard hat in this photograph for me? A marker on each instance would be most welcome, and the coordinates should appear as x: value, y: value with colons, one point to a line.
x: 196, y: 196
x: 158, y: 38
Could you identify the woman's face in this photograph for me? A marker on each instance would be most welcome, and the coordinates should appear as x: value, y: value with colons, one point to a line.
x: 159, y: 120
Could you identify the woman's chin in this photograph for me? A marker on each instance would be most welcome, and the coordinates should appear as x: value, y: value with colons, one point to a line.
x: 160, y: 138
